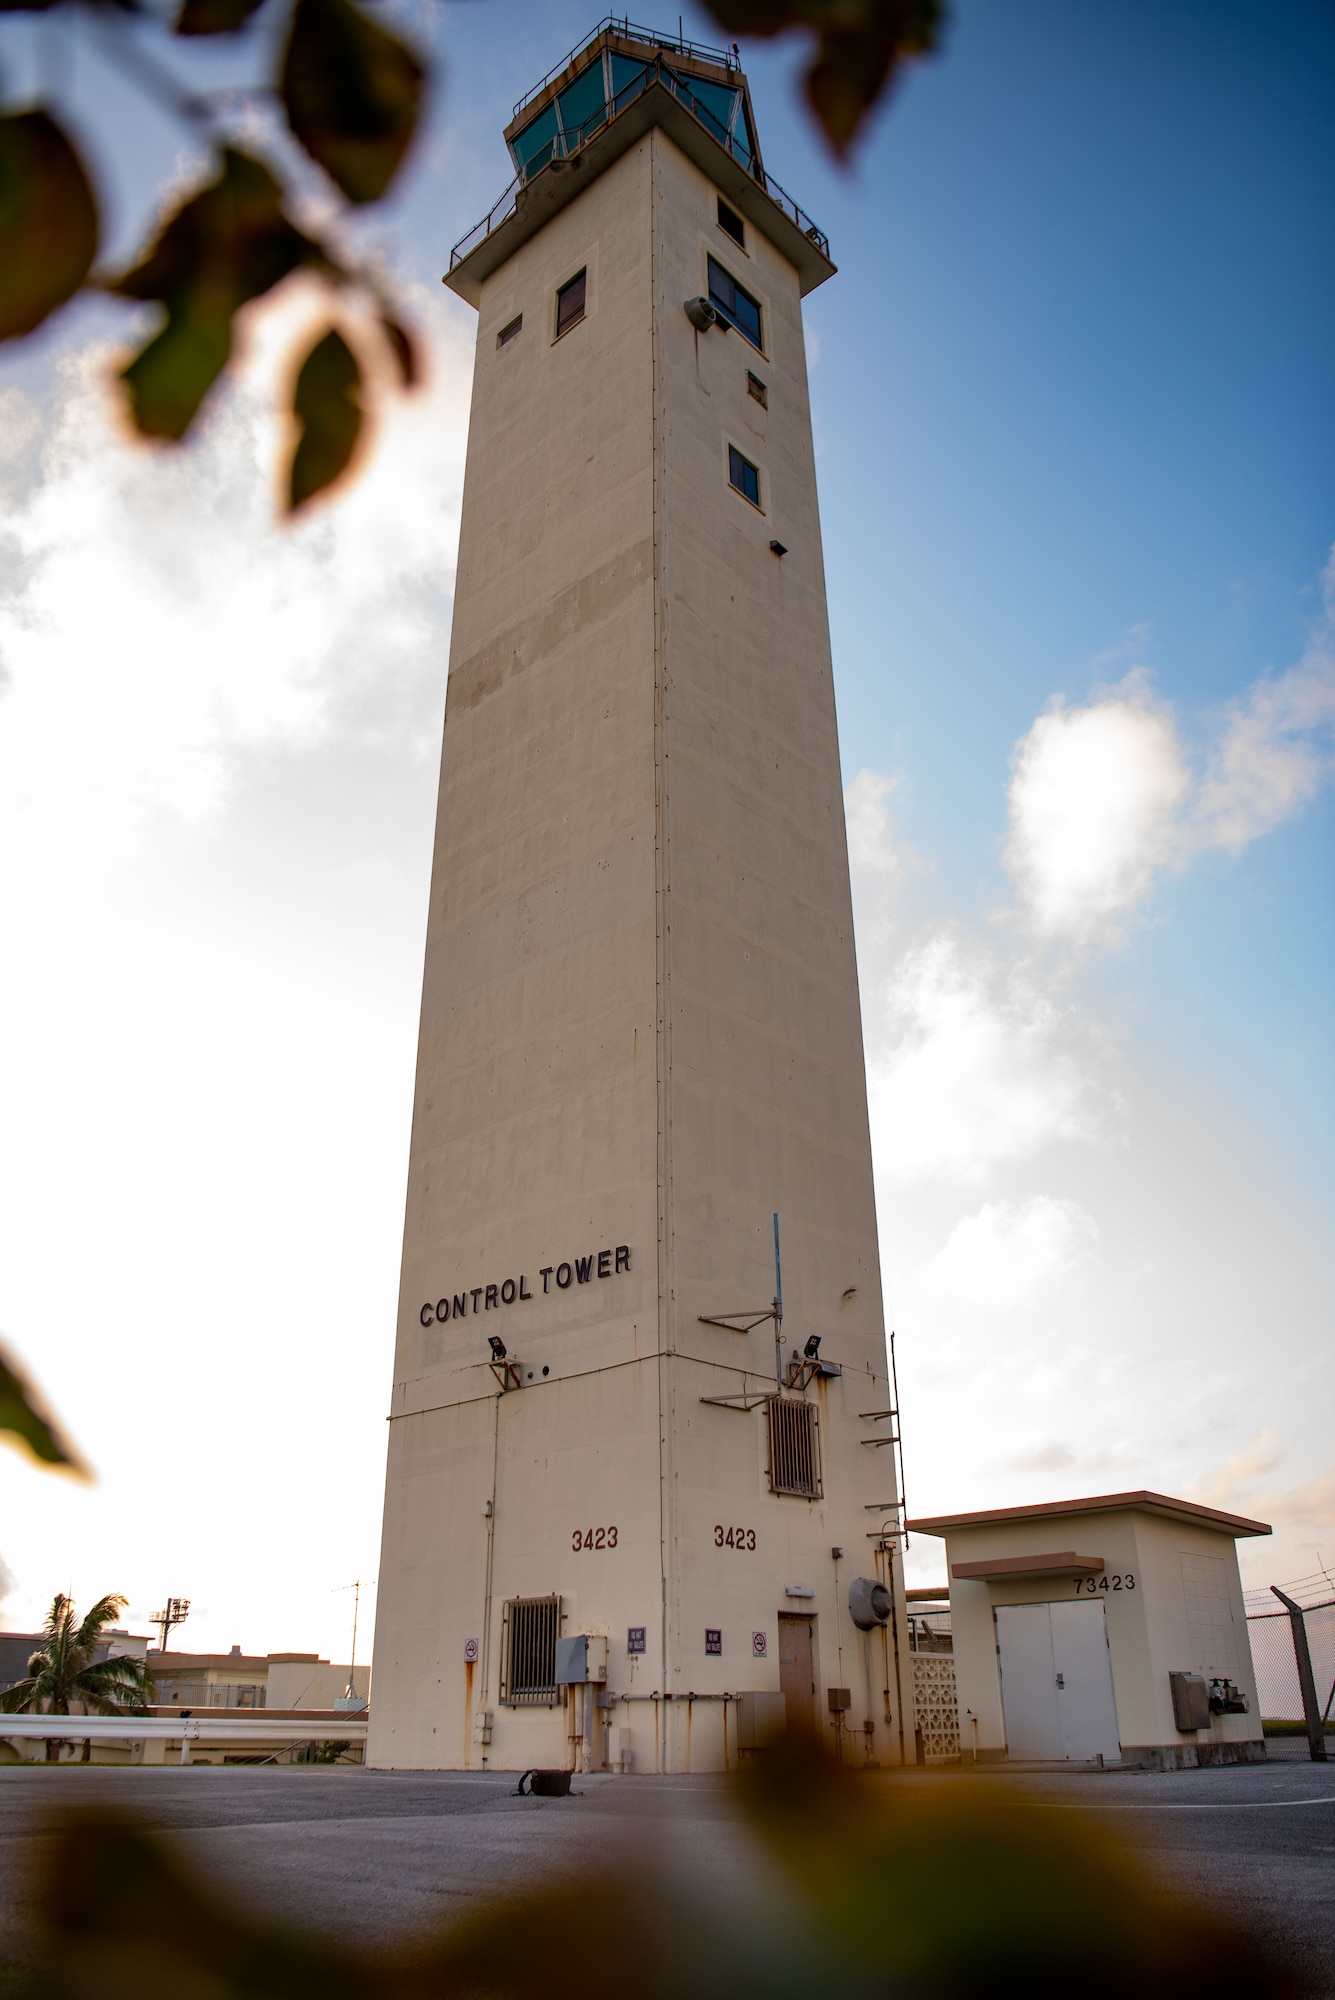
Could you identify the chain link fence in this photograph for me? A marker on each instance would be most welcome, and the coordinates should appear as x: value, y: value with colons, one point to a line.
x: 1277, y: 1629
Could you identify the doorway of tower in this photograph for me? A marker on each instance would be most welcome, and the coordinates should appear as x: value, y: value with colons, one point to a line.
x: 797, y: 1669
x: 1056, y: 1682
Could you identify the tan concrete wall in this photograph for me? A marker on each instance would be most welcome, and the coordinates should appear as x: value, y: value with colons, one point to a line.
x: 640, y: 1019
x: 1149, y: 1632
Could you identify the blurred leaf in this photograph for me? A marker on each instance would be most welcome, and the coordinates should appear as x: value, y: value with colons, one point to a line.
x: 404, y: 350
x: 215, y: 17
x: 48, y: 221
x: 966, y: 1886
x: 352, y: 93
x: 22, y: 1415
x: 226, y: 245
x: 327, y: 405
x: 860, y: 46
x: 124, y: 1919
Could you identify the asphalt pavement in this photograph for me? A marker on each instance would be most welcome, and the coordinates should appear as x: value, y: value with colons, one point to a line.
x: 376, y: 1856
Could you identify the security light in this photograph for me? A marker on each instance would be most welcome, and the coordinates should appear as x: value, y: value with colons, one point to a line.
x: 811, y: 1352
x: 702, y: 316
x: 497, y: 1346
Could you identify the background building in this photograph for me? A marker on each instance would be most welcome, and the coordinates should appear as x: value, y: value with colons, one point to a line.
x: 640, y: 1033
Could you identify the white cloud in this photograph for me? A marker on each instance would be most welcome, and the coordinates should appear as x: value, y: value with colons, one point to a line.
x: 971, y: 1064
x: 1094, y: 801
x: 156, y: 622
x: 1012, y: 1254
x: 1271, y: 760
x: 1103, y: 798
x: 871, y: 842
x: 1242, y: 1484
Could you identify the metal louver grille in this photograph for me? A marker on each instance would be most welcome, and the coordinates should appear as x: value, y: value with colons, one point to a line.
x: 528, y: 1650
x: 794, y: 1447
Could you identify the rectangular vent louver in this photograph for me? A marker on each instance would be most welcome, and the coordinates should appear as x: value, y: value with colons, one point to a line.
x: 794, y: 1447
x: 529, y: 1627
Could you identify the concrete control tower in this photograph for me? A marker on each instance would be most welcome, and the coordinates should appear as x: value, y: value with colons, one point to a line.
x: 629, y: 1495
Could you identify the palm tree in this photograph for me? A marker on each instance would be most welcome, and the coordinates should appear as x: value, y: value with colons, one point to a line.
x: 63, y: 1670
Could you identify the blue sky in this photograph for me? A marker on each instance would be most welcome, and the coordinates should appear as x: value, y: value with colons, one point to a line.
x: 1074, y: 415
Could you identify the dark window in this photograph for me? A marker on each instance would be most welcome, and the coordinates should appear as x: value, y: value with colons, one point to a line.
x: 729, y: 219
x: 528, y: 1650
x: 509, y: 332
x: 570, y: 304
x: 737, y: 306
x: 743, y: 475
x: 754, y: 387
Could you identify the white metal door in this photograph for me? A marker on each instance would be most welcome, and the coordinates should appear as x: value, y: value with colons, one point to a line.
x: 1029, y: 1681
x: 1056, y: 1682
x: 1083, y: 1667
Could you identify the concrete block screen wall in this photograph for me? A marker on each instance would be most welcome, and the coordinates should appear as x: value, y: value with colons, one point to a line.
x: 640, y: 1033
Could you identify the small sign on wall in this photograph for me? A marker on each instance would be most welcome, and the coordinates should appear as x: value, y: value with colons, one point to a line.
x: 758, y: 1646
x: 635, y: 1639
x: 470, y: 1650
x: 713, y: 1639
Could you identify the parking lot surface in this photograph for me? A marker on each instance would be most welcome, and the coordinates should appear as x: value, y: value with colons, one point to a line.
x: 377, y: 1856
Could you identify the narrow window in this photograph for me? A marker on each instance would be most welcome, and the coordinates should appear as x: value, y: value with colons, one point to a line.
x: 754, y: 387
x: 729, y: 219
x: 570, y: 304
x: 744, y: 476
x: 735, y: 304
x: 794, y: 1447
x: 528, y: 1650
x: 508, y: 333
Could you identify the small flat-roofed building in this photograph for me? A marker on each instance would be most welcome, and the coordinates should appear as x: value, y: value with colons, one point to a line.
x: 1107, y: 1630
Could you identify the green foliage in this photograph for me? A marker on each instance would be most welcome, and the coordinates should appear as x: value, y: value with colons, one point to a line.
x: 352, y: 93
x: 48, y: 221
x: 896, y: 1887
x: 63, y: 1670
x: 860, y: 47
x: 224, y: 247
x: 327, y: 405
x: 22, y: 1416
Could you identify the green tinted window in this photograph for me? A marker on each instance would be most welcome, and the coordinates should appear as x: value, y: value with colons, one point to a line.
x: 719, y: 102
x: 625, y: 73
x: 532, y: 148
x: 582, y: 105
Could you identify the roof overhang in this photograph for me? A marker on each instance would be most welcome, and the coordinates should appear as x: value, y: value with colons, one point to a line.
x: 558, y: 184
x: 1001, y: 1569
x: 1189, y: 1511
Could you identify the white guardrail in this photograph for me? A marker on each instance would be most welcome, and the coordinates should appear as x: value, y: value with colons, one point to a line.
x: 191, y: 1728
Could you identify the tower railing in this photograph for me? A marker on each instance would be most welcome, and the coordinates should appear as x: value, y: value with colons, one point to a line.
x: 621, y: 24
x: 565, y: 145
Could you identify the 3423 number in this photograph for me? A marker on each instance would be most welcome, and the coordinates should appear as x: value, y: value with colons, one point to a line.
x: 1090, y: 1586
x: 734, y: 1538
x: 593, y: 1538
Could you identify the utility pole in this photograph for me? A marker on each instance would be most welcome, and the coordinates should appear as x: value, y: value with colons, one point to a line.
x: 176, y: 1612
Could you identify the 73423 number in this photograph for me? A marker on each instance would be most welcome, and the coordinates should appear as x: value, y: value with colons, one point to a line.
x: 1090, y: 1586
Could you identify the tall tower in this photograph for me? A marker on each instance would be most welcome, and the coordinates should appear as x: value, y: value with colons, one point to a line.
x: 640, y: 1037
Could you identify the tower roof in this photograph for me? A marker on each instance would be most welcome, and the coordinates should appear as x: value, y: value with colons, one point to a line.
x: 606, y: 95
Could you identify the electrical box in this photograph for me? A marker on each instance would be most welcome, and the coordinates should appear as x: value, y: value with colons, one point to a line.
x: 761, y: 1715
x: 482, y: 1726
x: 840, y: 1700
x: 1191, y: 1701
x: 579, y: 1658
